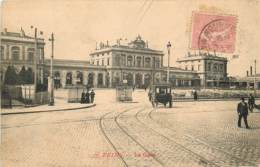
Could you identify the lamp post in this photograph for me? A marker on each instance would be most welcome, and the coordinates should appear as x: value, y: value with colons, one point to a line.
x: 51, y: 102
x: 255, y: 86
x: 35, y: 59
x: 168, y: 69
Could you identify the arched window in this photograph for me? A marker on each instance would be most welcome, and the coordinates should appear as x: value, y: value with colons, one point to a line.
x: 69, y: 78
x: 15, y: 51
x: 2, y: 52
x: 30, y: 54
x: 147, y: 62
x: 79, y: 77
x: 100, y: 79
x: 129, y: 61
x: 157, y: 62
x: 139, y: 61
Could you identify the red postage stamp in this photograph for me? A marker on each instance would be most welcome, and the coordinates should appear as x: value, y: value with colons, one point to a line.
x: 213, y: 32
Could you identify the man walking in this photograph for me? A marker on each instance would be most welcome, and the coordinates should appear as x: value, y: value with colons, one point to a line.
x: 195, y: 95
x: 82, y: 97
x: 92, y: 95
x: 251, y: 102
x: 242, y: 111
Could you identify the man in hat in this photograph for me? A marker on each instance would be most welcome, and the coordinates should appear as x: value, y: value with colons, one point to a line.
x: 92, y: 95
x: 242, y: 110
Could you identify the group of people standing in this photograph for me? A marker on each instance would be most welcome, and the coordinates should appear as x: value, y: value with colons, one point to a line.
x: 242, y: 110
x: 88, y: 96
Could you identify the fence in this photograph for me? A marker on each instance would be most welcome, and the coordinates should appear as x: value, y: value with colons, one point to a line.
x: 22, y: 95
x: 213, y: 93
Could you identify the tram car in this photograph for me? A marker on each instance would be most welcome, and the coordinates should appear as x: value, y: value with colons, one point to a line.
x: 160, y: 93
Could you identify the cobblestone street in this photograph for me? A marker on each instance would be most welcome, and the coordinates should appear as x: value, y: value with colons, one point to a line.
x: 112, y: 134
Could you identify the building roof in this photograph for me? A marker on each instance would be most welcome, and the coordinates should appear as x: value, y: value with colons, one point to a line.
x: 138, y: 45
x: 202, y: 56
x: 17, y: 35
x: 71, y: 63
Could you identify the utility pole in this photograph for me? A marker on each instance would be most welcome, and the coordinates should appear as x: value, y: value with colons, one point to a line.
x: 168, y: 69
x: 255, y: 86
x: 35, y: 61
x: 51, y: 102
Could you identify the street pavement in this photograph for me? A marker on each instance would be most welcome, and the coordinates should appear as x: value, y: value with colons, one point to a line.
x: 114, y: 134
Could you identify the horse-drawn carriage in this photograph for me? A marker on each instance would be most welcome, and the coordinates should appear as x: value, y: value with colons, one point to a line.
x: 160, y: 93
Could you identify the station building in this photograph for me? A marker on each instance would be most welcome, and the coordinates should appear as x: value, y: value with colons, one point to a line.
x: 110, y: 65
x: 18, y: 50
x: 212, y: 69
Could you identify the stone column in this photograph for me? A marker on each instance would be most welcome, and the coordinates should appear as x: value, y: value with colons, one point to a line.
x: 134, y: 61
x: 104, y: 78
x: 74, y: 77
x: 85, y: 77
x: 133, y: 78
x: 190, y: 83
x: 176, y: 81
x: 63, y: 78
x: 110, y: 78
x: 7, y: 52
x: 23, y: 52
x: 143, y: 61
x: 143, y: 78
x: 95, y: 79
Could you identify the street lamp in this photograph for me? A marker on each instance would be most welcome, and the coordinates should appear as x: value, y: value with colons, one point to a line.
x: 169, y: 52
x: 35, y: 57
x: 51, y: 102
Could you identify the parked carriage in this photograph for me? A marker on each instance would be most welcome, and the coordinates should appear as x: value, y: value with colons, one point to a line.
x: 160, y: 93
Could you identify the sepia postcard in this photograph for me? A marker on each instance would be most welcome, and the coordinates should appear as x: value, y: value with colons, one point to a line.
x: 130, y: 83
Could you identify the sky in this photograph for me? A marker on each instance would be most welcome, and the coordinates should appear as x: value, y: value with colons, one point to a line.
x: 79, y: 24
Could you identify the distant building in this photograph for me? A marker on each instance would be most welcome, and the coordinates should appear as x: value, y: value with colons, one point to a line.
x: 211, y: 69
x: 18, y: 50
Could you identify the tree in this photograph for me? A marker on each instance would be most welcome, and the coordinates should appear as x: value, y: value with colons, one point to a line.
x: 22, y: 75
x: 11, y: 78
x: 29, y: 77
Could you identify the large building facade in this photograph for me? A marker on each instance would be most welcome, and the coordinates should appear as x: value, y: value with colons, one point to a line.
x: 212, y: 69
x: 111, y: 65
x: 18, y: 50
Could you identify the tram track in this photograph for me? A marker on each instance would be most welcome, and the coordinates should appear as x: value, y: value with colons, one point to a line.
x: 124, y: 145
x: 169, y: 152
x: 231, y: 160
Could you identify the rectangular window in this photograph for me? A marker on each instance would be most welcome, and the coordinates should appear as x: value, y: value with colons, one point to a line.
x: 108, y: 61
x: 97, y: 62
x: 102, y: 62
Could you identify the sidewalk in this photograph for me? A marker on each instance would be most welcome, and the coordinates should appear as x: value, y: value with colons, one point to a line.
x: 60, y: 105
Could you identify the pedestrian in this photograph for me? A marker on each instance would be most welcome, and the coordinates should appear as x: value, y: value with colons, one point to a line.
x: 82, y: 100
x: 92, y: 95
x: 195, y: 95
x: 87, y: 97
x: 150, y: 94
x: 242, y: 110
x: 251, y: 102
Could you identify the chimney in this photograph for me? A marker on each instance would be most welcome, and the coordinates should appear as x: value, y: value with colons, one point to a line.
x: 251, y: 70
x: 247, y: 73
x: 5, y: 30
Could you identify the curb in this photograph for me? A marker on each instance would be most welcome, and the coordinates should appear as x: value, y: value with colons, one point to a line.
x: 40, y: 111
x: 201, y: 100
